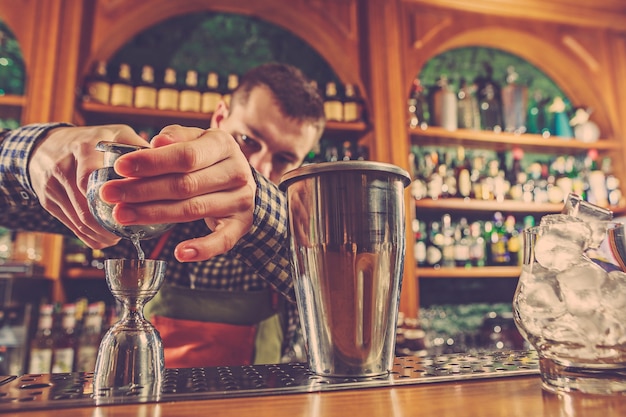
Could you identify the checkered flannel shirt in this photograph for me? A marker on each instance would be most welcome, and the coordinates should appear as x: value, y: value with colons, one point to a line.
x: 258, y: 261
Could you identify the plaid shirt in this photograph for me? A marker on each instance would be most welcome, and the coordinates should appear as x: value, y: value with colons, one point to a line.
x: 258, y: 261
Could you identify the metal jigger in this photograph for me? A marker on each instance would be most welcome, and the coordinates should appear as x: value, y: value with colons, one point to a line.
x: 130, y: 358
x: 103, y: 211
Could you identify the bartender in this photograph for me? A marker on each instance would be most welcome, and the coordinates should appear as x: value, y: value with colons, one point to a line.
x: 228, y: 297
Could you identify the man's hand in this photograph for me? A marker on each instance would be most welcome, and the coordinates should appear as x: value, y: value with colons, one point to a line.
x: 188, y: 174
x: 59, y: 169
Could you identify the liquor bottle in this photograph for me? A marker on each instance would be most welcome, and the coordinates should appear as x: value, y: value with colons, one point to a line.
x: 447, y: 171
x: 463, y: 174
x: 417, y: 105
x: 462, y: 244
x: 64, y: 348
x: 514, y: 241
x: 435, y: 243
x: 352, y: 104
x: 447, y: 249
x: 489, y: 96
x: 75, y: 253
x: 42, y: 343
x: 597, y: 181
x: 516, y: 175
x: 97, y: 85
x: 445, y: 107
x: 421, y: 236
x: 190, y: 96
x: 231, y: 84
x: 89, y: 338
x: 333, y: 107
x: 346, y: 151
x: 478, y: 252
x: 560, y: 121
x: 122, y: 88
x: 468, y: 111
x: 514, y: 103
x: 167, y: 96
x: 211, y: 95
x: 434, y: 181
x: 536, y: 119
x: 499, y: 243
x: 145, y: 91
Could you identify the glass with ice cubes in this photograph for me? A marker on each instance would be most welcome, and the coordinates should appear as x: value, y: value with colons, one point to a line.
x: 570, y: 302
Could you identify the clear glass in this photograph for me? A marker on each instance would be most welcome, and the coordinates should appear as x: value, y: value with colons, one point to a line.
x: 130, y: 357
x: 570, y: 305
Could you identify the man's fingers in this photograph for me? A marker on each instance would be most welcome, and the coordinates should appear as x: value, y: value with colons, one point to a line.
x: 219, y: 242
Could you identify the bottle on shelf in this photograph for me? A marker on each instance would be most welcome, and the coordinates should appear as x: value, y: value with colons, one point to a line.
x: 462, y: 244
x: 444, y: 105
x: 468, y: 111
x: 513, y: 241
x: 168, y: 93
x: 97, y: 84
x: 89, y: 338
x: 499, y: 244
x: 420, y: 244
x: 478, y: 252
x: 559, y: 119
x: 417, y: 105
x: 447, y: 247
x: 514, y: 103
x: 462, y: 173
x: 190, y: 96
x: 211, y: 95
x: 353, y: 107
x: 434, y: 251
x: 489, y: 101
x: 41, y: 345
x: 146, y: 91
x: 231, y: 85
x: 596, y: 179
x: 537, y: 117
x: 333, y: 107
x: 64, y: 348
x: 122, y: 88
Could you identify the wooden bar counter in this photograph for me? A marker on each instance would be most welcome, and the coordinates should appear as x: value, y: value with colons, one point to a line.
x: 506, y: 396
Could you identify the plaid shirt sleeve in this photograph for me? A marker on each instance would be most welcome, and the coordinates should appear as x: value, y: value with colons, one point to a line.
x: 19, y: 207
x: 266, y: 246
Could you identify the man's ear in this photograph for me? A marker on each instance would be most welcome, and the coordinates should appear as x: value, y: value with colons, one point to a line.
x: 221, y: 112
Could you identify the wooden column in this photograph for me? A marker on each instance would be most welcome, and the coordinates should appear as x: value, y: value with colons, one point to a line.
x: 380, y: 21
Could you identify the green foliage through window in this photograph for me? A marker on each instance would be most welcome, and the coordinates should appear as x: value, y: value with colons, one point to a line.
x: 221, y: 42
x: 12, y: 72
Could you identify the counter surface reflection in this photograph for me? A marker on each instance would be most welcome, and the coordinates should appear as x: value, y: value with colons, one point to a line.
x: 498, y: 384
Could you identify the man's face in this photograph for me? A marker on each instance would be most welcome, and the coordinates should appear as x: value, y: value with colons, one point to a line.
x: 273, y: 143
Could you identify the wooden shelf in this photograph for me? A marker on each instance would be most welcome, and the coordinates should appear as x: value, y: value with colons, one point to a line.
x: 508, y: 206
x: 506, y: 141
x: 471, y: 273
x: 12, y: 100
x: 159, y: 118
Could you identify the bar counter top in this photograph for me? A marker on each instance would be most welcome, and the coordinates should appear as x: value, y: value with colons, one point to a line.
x: 509, y: 396
x: 488, y: 384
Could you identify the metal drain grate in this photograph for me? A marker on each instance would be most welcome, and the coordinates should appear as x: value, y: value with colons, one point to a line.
x: 76, y: 389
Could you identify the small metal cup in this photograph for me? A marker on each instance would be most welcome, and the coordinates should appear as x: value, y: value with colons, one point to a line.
x: 347, y: 224
x: 103, y: 211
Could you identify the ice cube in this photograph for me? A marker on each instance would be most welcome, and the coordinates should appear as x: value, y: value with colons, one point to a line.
x: 584, y: 275
x: 580, y: 288
x: 566, y: 228
x: 539, y: 292
x: 614, y: 291
x: 554, y: 251
x: 584, y: 210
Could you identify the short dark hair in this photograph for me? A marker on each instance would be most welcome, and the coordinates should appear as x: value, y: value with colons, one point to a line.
x: 297, y: 96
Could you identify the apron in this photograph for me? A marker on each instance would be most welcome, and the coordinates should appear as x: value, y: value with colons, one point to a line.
x: 207, y: 327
